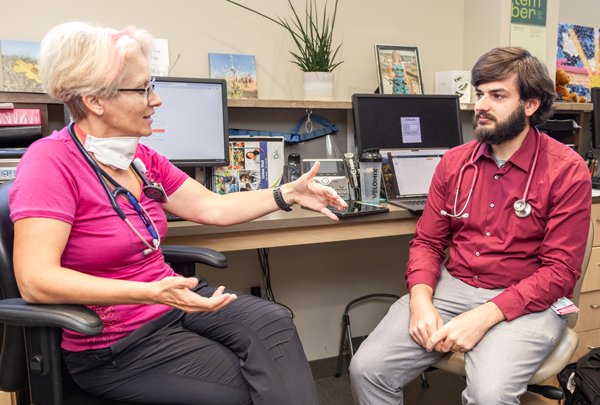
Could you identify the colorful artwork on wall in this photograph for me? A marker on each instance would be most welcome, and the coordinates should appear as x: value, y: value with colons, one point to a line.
x: 579, y: 55
x: 238, y: 70
x: 20, y: 65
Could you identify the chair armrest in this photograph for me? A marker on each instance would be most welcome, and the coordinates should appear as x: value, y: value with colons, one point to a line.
x: 77, y: 318
x: 192, y: 254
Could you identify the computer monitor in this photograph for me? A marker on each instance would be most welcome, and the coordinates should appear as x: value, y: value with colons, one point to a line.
x: 595, y: 122
x: 400, y: 121
x: 191, y: 128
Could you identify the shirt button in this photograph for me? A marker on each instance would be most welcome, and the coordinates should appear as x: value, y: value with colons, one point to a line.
x: 476, y: 277
x: 487, y: 234
x: 476, y: 253
x: 492, y: 205
x: 496, y: 177
x: 114, y: 363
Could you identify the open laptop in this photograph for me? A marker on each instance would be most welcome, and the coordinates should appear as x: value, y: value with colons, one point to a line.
x: 407, y: 175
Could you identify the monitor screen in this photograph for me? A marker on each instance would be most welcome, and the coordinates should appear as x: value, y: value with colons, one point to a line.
x: 190, y: 128
x: 390, y: 121
x: 596, y: 117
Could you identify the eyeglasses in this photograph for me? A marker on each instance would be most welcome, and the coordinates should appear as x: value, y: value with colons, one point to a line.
x: 148, y: 90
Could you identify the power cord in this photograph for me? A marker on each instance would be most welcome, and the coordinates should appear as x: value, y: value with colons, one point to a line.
x: 263, y: 258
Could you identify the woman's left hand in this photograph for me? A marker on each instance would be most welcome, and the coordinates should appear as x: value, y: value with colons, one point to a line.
x: 310, y: 194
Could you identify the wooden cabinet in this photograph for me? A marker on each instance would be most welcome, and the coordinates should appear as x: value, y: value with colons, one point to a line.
x: 588, y: 322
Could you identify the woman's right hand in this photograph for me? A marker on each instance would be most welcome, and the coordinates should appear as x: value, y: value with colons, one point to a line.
x: 175, y: 292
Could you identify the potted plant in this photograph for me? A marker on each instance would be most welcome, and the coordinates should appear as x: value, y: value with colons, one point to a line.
x: 315, y: 55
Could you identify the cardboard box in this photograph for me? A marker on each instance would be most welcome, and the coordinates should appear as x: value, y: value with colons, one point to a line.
x: 454, y: 82
x: 256, y: 163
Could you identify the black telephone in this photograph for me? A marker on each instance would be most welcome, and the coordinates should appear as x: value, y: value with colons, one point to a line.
x: 294, y: 170
x: 332, y: 173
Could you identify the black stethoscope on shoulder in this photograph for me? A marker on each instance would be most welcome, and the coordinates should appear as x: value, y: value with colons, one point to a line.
x: 522, y: 207
x: 152, y: 191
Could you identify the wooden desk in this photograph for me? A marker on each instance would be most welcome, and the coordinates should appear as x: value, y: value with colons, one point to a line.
x: 299, y: 227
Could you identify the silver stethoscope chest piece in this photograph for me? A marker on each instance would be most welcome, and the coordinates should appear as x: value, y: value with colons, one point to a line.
x: 522, y: 208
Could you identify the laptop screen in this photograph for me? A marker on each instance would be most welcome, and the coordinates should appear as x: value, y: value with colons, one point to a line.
x: 408, y: 172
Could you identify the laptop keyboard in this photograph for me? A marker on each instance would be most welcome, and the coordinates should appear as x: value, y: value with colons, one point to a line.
x: 415, y: 202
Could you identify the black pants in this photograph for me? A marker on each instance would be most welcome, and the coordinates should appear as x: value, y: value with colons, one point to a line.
x: 247, y: 352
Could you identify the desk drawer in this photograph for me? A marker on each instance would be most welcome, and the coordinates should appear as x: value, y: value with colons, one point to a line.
x: 591, y: 282
x: 596, y: 221
x: 589, y: 317
x: 587, y: 339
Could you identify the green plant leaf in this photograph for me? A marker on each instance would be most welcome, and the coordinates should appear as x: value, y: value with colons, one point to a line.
x: 313, y: 38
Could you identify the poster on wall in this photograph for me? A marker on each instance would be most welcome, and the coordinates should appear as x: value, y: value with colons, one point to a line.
x: 20, y: 68
x: 528, y: 26
x: 578, y: 54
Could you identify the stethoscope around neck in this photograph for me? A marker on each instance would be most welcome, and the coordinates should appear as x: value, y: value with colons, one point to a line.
x: 150, y: 190
x: 522, y: 207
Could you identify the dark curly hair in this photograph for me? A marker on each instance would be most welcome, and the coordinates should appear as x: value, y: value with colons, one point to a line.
x: 532, y: 78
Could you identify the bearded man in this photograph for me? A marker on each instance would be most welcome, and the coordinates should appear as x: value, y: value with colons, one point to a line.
x: 491, y: 299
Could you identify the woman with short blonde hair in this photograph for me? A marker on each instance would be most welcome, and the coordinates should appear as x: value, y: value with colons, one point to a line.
x: 166, y: 338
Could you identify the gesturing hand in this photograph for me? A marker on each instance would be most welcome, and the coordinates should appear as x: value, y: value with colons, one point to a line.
x: 315, y: 196
x: 175, y: 292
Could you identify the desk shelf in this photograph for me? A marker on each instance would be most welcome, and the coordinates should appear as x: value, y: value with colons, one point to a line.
x: 321, y: 105
x: 53, y: 112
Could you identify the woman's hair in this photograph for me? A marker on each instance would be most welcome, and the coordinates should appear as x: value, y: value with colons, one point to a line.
x: 78, y: 59
x: 531, y: 77
x: 395, y: 53
x: 254, y: 152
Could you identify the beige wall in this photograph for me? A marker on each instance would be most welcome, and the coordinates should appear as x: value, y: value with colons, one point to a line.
x: 195, y: 28
x: 580, y: 12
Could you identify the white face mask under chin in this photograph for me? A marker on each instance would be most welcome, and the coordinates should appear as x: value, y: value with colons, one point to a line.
x: 116, y: 153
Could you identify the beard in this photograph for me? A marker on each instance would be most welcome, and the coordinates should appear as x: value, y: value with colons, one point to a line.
x: 504, y: 131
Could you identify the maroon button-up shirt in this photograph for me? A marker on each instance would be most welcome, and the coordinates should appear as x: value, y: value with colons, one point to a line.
x: 537, y: 258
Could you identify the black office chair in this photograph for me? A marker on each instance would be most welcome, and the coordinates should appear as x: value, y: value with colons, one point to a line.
x: 30, y: 361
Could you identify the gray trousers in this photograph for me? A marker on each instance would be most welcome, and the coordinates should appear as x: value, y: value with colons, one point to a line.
x: 498, y: 367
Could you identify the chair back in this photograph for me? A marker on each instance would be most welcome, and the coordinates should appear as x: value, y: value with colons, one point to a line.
x: 584, y: 266
x: 13, y: 358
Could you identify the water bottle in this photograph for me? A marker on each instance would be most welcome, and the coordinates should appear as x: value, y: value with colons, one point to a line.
x: 370, y: 175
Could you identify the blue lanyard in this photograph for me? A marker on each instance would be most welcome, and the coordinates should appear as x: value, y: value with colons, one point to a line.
x: 112, y: 195
x: 136, y: 206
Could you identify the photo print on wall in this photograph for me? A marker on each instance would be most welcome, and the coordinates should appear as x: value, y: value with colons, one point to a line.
x: 20, y: 66
x: 239, y: 71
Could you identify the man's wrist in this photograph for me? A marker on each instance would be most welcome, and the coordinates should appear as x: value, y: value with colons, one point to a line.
x: 493, y: 314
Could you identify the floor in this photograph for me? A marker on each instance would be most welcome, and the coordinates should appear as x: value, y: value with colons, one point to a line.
x: 444, y: 389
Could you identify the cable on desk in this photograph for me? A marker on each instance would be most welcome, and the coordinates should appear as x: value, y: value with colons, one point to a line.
x: 263, y: 258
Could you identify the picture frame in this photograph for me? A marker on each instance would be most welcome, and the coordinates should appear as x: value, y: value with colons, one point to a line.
x: 390, y: 82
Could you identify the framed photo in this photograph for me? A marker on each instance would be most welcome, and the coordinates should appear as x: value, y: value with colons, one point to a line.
x: 399, y: 69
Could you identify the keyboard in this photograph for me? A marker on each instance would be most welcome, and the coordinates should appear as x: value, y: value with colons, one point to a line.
x: 415, y: 202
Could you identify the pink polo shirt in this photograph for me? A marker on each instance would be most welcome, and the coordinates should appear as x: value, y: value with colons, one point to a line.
x: 55, y: 181
x: 537, y: 259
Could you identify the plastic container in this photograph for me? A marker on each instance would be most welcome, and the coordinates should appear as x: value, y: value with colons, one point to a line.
x: 370, y: 176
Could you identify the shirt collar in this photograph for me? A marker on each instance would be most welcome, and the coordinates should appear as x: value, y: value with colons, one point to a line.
x: 521, y: 158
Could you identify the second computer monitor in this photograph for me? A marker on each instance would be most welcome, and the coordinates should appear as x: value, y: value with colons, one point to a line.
x: 191, y: 128
x: 390, y: 121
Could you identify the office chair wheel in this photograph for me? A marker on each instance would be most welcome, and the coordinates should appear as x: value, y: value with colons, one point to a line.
x: 424, y: 382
